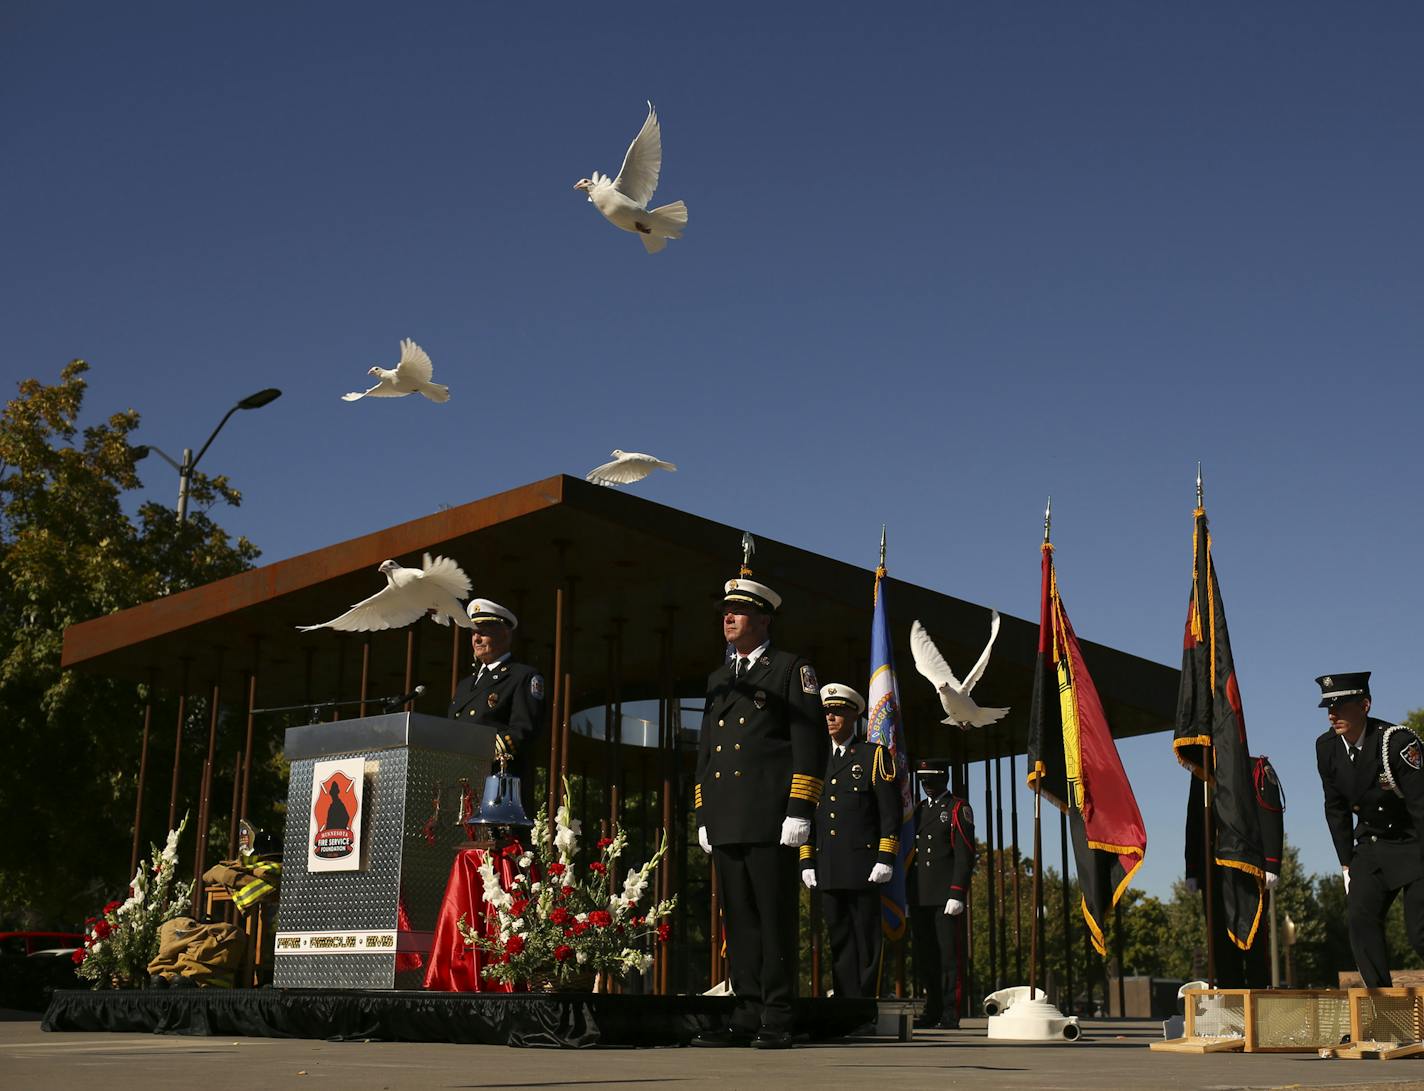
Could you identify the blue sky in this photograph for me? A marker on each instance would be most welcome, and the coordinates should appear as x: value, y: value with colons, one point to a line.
x: 943, y: 260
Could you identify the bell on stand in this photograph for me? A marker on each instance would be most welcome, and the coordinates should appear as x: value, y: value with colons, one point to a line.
x: 501, y: 812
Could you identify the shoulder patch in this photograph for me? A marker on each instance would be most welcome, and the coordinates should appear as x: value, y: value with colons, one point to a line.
x: 967, y: 812
x: 536, y: 686
x: 808, y: 679
x: 1412, y: 754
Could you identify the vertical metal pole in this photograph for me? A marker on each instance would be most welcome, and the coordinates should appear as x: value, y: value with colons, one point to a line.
x: 178, y: 744
x: 1001, y: 970
x: 1275, y: 943
x: 454, y: 659
x: 339, y: 695
x: 247, y: 745
x: 1067, y: 916
x: 989, y: 875
x: 554, y: 721
x: 1209, y: 871
x: 365, y: 673
x: 1121, y: 965
x: 142, y: 775
x: 1033, y: 948
x: 200, y: 854
x: 564, y: 727
x: 410, y: 653
x: 236, y: 798
x: 1014, y: 859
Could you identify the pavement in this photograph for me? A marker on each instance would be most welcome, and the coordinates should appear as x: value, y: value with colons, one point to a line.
x: 1112, y: 1053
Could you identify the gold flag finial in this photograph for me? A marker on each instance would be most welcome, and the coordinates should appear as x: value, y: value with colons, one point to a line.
x: 748, y: 548
x: 1199, y: 484
x: 1047, y: 520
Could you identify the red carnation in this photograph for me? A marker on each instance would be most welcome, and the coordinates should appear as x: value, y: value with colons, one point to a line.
x: 604, y: 842
x: 514, y: 944
x: 517, y: 907
x: 580, y: 927
x: 568, y: 933
x: 558, y: 915
x: 78, y: 956
x: 565, y: 891
x: 112, y: 906
x: 664, y: 930
x: 562, y: 952
x: 512, y: 849
x: 598, y: 866
x: 600, y: 917
x: 103, y: 929
x: 557, y: 869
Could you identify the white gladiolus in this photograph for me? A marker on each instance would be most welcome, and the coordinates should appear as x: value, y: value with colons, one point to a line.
x: 526, y: 860
x: 634, y: 886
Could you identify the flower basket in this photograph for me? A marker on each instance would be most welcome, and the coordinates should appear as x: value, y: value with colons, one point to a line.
x: 562, y: 925
x: 123, y: 939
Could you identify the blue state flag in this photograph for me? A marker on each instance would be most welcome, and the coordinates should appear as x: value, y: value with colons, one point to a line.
x: 886, y: 728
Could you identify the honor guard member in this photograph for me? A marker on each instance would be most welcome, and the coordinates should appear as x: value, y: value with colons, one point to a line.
x: 938, y: 888
x: 1370, y: 771
x: 1235, y: 968
x: 854, y: 842
x: 502, y: 694
x: 760, y: 758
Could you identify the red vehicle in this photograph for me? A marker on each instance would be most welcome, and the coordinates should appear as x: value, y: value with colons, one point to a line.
x: 29, y: 943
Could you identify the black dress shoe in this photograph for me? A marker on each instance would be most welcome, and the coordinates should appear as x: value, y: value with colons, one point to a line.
x: 926, y: 1022
x: 949, y: 1023
x: 772, y: 1039
x: 728, y: 1036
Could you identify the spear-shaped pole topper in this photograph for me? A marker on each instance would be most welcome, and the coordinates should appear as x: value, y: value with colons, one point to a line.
x: 748, y: 548
x: 882, y: 547
x: 1199, y: 487
x: 1047, y: 520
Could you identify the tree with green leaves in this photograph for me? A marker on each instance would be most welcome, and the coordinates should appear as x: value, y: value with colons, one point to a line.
x: 70, y: 552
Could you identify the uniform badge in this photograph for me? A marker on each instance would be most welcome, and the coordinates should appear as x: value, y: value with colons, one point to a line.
x: 1412, y: 754
x: 1271, y: 774
x: 759, y: 698
x: 492, y: 700
x: 536, y: 686
x: 808, y: 680
x: 944, y: 817
x: 857, y: 770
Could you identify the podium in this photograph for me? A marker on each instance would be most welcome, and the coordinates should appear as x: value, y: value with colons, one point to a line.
x: 366, y: 920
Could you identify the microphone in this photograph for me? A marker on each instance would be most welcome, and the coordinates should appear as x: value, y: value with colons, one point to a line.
x: 393, y: 703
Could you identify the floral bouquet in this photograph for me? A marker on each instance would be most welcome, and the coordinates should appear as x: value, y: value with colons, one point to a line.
x: 561, y: 922
x: 123, y: 939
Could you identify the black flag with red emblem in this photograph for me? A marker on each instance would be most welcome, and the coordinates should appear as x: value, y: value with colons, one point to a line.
x: 1210, y: 740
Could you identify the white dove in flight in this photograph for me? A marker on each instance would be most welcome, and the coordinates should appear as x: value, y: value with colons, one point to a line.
x: 410, y: 376
x: 434, y: 589
x: 626, y: 467
x: 953, y: 693
x: 624, y: 200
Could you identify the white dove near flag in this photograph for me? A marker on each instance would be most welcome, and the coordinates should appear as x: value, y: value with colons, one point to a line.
x: 953, y: 693
x: 626, y: 467
x: 410, y: 593
x: 624, y: 200
x: 411, y: 375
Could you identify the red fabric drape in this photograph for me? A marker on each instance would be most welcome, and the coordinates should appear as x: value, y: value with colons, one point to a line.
x: 454, y: 967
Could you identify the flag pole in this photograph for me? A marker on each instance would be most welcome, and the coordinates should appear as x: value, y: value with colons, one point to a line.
x: 1035, y: 939
x: 1208, y: 827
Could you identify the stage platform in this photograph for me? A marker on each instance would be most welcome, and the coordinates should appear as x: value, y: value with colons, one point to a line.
x: 553, y: 1020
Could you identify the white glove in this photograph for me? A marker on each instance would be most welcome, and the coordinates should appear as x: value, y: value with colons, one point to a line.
x: 808, y: 878
x: 1272, y: 879
x: 881, y: 873
x: 1192, y: 886
x: 1346, y: 872
x: 702, y: 840
x: 954, y: 907
x: 795, y: 831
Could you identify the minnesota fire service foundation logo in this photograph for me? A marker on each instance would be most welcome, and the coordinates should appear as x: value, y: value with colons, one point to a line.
x: 335, y: 814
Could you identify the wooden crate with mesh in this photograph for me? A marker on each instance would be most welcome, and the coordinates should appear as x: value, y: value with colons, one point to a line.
x: 1262, y: 1021
x: 1385, y: 1024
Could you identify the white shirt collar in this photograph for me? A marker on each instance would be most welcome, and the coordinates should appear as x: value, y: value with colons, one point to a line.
x: 491, y: 666
x: 755, y: 654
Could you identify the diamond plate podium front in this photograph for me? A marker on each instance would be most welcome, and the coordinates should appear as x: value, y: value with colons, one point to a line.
x: 371, y: 928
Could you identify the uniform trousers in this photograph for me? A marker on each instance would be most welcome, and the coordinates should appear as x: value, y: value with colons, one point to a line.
x: 1371, y: 894
x: 853, y: 921
x: 937, y: 942
x: 757, y: 885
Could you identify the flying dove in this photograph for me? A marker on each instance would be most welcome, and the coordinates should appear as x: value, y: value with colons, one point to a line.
x: 953, y: 693
x: 410, y: 376
x: 409, y: 593
x: 624, y: 200
x: 626, y: 467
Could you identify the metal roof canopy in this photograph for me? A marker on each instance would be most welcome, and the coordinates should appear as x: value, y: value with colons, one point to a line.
x: 628, y: 564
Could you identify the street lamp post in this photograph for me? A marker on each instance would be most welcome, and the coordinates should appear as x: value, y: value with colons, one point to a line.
x: 190, y: 461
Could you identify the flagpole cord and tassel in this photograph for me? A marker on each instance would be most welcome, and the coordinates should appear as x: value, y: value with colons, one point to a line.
x: 1200, y: 550
x: 1036, y: 939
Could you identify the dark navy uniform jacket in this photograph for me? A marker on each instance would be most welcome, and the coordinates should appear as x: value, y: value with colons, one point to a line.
x: 762, y: 750
x: 943, y: 860
x: 1387, y: 821
x: 857, y: 823
x: 510, y: 698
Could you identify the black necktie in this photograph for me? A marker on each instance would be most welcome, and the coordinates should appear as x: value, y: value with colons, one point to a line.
x: 741, y: 666
x: 1354, y: 752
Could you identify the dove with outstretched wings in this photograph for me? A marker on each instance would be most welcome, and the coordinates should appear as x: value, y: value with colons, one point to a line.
x: 626, y: 467
x: 436, y: 588
x: 954, y: 694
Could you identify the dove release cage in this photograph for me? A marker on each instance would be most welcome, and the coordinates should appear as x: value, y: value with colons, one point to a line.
x: 371, y: 927
x: 1263, y: 1021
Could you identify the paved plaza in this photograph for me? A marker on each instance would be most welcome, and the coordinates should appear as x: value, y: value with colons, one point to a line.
x: 1112, y: 1054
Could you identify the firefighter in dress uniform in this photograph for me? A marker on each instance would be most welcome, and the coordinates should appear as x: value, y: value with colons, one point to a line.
x: 1235, y: 968
x: 854, y: 841
x: 761, y: 755
x: 938, y: 888
x: 1370, y: 769
x: 502, y: 693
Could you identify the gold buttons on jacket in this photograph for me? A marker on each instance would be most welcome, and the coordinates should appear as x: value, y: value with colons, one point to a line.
x: 719, y: 748
x: 721, y: 723
x: 736, y: 772
x: 742, y: 720
x: 736, y: 746
x: 717, y: 775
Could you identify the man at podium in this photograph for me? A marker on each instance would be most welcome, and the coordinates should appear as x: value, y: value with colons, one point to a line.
x: 502, y: 693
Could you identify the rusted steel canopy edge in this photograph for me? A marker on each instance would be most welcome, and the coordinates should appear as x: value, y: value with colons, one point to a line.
x: 631, y: 567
